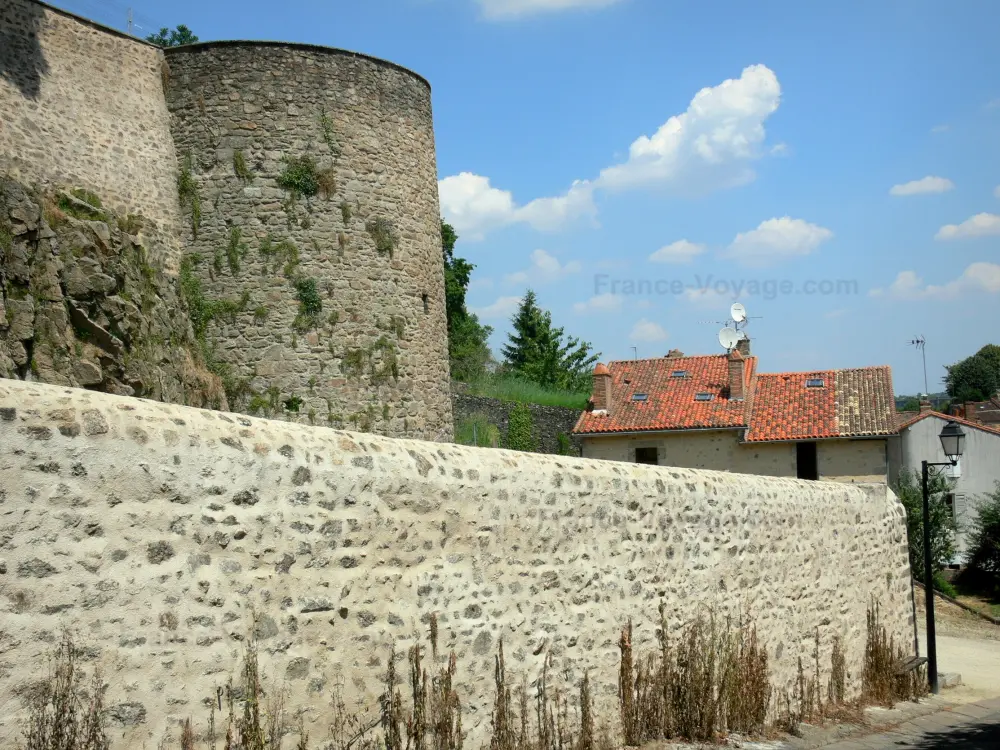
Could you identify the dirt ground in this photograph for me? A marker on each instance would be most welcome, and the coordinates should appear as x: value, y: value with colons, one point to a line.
x: 967, y: 645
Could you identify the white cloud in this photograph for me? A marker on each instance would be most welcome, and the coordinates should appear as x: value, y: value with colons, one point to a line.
x: 780, y: 149
x: 544, y: 267
x: 832, y: 314
x: 776, y: 239
x: 510, y: 9
x: 980, y: 225
x: 606, y: 302
x: 711, y: 145
x: 681, y: 251
x: 923, y: 185
x: 940, y: 129
x: 977, y: 277
x: 474, y: 207
x: 647, y: 330
x: 504, y: 307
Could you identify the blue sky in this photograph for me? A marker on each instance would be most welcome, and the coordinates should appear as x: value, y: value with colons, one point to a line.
x: 851, y: 146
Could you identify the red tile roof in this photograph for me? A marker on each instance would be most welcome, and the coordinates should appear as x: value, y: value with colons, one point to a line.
x: 947, y: 418
x: 670, y: 402
x: 850, y: 403
x: 778, y: 406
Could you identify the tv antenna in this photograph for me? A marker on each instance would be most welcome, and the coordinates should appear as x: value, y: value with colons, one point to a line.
x: 635, y: 352
x: 920, y: 342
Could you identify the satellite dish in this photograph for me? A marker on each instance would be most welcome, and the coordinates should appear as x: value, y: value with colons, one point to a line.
x: 743, y: 336
x: 729, y: 337
x: 737, y: 312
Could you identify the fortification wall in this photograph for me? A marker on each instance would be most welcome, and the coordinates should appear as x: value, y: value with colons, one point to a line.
x: 371, y: 352
x: 156, y: 529
x: 83, y: 106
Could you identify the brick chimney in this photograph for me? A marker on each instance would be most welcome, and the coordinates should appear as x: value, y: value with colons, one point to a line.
x: 601, y: 397
x: 925, y: 405
x: 736, y: 382
x: 674, y: 354
x: 743, y: 347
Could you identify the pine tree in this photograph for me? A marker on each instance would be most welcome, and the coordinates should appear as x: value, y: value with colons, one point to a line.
x: 538, y: 351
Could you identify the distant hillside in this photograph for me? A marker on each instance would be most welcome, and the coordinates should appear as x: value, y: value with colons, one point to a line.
x: 936, y: 399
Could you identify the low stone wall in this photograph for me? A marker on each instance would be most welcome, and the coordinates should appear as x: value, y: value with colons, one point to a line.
x: 159, y: 532
x: 550, y: 421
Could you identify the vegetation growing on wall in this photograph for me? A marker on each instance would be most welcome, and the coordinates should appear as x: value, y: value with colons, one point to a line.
x: 310, y: 304
x: 187, y: 193
x: 240, y: 166
x: 299, y: 176
x: 521, y: 430
x: 383, y: 233
x: 326, y: 125
x: 173, y: 37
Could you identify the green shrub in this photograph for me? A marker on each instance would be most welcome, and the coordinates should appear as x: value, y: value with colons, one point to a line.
x: 565, y: 446
x: 477, y: 430
x: 521, y: 430
x: 908, y: 489
x: 87, y: 197
x: 299, y: 176
x: 984, y: 543
x: 943, y: 585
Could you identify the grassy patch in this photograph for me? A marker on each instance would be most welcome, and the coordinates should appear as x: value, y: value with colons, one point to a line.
x: 477, y: 430
x: 87, y: 208
x: 512, y: 388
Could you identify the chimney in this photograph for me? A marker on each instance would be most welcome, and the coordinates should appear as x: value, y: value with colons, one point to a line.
x: 743, y: 347
x: 925, y: 405
x: 601, y: 397
x: 674, y: 354
x: 736, y: 382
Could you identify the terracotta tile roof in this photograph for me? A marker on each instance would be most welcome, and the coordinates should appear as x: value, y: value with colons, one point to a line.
x: 948, y: 417
x: 670, y: 401
x: 778, y: 406
x: 850, y: 403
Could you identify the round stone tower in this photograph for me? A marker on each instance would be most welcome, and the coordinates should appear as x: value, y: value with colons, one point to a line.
x: 313, y: 266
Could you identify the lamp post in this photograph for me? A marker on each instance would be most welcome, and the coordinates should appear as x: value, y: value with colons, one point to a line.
x: 953, y: 442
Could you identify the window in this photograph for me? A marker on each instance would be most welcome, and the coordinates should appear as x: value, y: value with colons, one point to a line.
x: 679, y: 374
x: 703, y: 397
x: 805, y: 461
x: 949, y: 501
x: 646, y: 456
x: 639, y: 396
x: 815, y: 382
x: 427, y: 304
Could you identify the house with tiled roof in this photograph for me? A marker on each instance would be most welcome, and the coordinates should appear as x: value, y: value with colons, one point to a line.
x: 718, y: 412
x: 969, y: 481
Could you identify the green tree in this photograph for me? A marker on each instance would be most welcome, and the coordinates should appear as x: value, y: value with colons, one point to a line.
x: 468, y: 351
x: 983, y: 557
x: 910, y: 404
x: 172, y: 38
x: 520, y: 430
x: 975, y: 378
x: 542, y: 353
x: 910, y: 492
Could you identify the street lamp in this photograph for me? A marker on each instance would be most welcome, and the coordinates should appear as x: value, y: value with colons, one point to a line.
x: 953, y: 442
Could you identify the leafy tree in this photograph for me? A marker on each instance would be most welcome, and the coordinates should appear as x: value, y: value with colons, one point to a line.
x: 172, y: 38
x: 468, y: 351
x: 975, y: 378
x: 909, y: 490
x: 910, y: 404
x: 542, y: 353
x: 520, y: 430
x: 984, y: 542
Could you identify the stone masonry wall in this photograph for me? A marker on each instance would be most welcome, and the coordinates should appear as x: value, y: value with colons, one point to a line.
x: 156, y: 531
x: 372, y: 352
x: 83, y: 106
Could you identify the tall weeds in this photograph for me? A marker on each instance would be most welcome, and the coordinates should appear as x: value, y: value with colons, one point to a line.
x: 880, y: 683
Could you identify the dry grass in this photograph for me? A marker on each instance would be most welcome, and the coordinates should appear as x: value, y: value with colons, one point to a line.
x: 711, y: 681
x: 880, y: 684
x: 62, y: 714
